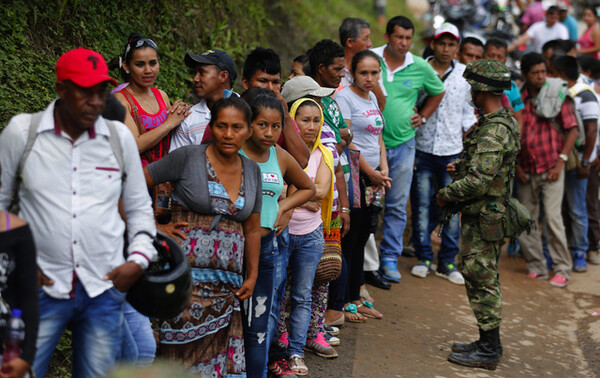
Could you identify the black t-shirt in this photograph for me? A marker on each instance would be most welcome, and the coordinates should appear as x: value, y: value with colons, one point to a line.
x: 18, y: 283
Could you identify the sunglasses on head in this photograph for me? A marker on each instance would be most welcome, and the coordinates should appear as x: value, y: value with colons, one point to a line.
x: 139, y: 43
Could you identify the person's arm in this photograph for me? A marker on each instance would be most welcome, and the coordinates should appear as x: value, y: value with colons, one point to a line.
x: 523, y: 38
x: 591, y: 130
x: 149, y: 139
x: 381, y: 98
x: 485, y: 164
x: 376, y: 177
x: 251, y: 228
x: 429, y: 107
x: 383, y: 164
x: 12, y: 145
x: 26, y: 296
x: 293, y: 143
x: 343, y: 202
x: 322, y: 181
x: 141, y: 228
x: 305, y: 189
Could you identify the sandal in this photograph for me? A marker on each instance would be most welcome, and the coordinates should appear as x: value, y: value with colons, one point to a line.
x: 365, y: 295
x: 353, y: 315
x: 297, y: 365
x: 368, y: 310
x: 338, y: 322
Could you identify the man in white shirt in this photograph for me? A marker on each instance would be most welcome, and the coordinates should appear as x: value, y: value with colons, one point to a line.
x: 542, y: 32
x: 214, y: 76
x: 69, y: 188
x: 438, y: 143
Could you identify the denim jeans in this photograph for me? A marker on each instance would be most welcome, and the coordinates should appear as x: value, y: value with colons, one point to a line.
x: 257, y: 310
x: 305, y: 253
x: 575, y: 191
x: 281, y: 261
x: 401, y: 162
x: 429, y: 177
x: 139, y: 345
x: 97, y: 325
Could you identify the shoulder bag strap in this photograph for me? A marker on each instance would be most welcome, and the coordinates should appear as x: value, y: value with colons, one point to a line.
x: 115, y: 144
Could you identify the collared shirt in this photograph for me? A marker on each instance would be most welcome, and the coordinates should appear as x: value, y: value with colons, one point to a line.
x: 192, y: 128
x: 402, y: 89
x: 442, y: 134
x: 540, y: 33
x: 541, y: 143
x: 69, y: 196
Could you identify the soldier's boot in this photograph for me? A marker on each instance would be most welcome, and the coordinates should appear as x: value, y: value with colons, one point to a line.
x: 484, y: 355
x: 460, y: 347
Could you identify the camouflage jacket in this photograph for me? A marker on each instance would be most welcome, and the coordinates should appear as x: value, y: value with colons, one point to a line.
x: 487, y: 165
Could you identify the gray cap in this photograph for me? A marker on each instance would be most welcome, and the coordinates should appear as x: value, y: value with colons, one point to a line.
x: 302, y: 86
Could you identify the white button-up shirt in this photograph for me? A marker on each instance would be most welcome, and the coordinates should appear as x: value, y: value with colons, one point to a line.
x: 442, y: 134
x: 69, y: 196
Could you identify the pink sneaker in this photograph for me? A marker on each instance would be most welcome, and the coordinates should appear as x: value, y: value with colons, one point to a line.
x: 320, y: 347
x: 559, y: 281
x: 283, y: 341
x: 536, y: 276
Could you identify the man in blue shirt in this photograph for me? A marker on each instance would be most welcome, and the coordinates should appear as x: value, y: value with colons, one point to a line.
x: 567, y: 20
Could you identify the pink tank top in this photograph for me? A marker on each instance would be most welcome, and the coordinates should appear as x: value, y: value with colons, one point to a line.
x: 585, y: 41
x: 151, y: 121
x: 305, y: 221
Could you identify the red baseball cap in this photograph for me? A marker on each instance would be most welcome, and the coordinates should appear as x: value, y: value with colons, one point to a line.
x: 83, y: 67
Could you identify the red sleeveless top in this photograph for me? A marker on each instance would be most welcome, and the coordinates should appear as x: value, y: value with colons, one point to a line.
x: 149, y: 122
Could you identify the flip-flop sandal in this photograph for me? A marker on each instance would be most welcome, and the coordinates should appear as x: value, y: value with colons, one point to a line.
x: 297, y: 365
x: 353, y: 315
x: 365, y: 295
x: 367, y: 313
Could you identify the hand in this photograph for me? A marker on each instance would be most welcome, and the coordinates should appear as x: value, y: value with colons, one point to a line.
x: 554, y: 172
x: 521, y: 176
x: 346, y: 135
x: 377, y: 178
x: 595, y: 164
x: 43, y: 280
x: 313, y: 206
x: 282, y: 221
x: 171, y: 229
x: 177, y: 113
x: 583, y: 172
x: 441, y: 203
x: 451, y: 169
x: 124, y: 276
x: 247, y: 289
x: 345, y: 221
x: 16, y: 368
x: 415, y: 119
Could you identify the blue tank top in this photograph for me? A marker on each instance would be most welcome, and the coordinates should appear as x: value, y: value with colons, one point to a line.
x: 272, y: 186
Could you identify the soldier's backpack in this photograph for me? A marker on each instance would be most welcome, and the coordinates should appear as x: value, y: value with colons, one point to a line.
x: 34, y: 125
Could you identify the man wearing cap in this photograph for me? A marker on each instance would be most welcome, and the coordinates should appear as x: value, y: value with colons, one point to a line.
x: 402, y: 76
x: 77, y: 167
x: 213, y: 80
x: 481, y: 185
x: 542, y: 32
x: 438, y: 143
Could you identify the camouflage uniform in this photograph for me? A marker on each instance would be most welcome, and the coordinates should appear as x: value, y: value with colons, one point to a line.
x: 482, y: 182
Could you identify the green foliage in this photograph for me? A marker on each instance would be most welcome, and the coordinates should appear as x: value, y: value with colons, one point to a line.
x: 60, y: 365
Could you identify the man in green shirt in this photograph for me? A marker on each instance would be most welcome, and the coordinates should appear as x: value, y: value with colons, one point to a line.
x: 402, y: 75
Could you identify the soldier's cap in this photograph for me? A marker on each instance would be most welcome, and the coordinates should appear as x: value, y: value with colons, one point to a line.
x: 213, y: 57
x: 487, y: 75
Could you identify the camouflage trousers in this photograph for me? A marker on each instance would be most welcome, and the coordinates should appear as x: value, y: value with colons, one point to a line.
x: 479, y: 267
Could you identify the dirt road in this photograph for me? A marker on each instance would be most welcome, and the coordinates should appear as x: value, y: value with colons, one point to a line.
x: 546, y: 331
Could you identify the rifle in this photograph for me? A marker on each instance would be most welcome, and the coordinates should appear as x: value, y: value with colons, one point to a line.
x: 447, y: 212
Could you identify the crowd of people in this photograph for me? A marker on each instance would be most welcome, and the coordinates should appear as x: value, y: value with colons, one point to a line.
x: 276, y: 194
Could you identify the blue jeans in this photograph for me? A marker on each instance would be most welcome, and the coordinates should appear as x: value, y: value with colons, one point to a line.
x: 97, y: 330
x: 431, y: 170
x: 139, y: 345
x: 257, y: 310
x: 575, y: 191
x: 401, y: 162
x: 305, y: 253
x: 281, y: 261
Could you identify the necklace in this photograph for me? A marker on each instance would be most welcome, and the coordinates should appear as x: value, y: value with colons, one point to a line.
x: 138, y: 97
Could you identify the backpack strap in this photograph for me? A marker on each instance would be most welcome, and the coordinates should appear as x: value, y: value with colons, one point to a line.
x: 34, y: 125
x: 115, y: 144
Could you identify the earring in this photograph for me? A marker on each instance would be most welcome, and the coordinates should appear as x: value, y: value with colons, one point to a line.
x: 127, y: 72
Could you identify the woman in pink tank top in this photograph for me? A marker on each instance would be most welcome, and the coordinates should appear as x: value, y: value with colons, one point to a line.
x: 150, y: 116
x: 589, y: 42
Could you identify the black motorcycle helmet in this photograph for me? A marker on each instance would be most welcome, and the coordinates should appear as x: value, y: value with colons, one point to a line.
x: 164, y: 289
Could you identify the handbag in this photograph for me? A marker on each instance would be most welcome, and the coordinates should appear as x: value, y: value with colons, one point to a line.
x: 354, y: 181
x: 330, y: 264
x: 161, y: 193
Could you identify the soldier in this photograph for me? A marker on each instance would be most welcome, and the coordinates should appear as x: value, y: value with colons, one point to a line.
x: 481, y: 187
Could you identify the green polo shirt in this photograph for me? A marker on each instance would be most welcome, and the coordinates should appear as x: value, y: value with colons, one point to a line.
x: 402, y: 87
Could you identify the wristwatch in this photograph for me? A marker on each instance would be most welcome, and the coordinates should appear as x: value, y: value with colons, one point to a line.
x: 423, y: 119
x: 585, y: 163
x: 563, y: 157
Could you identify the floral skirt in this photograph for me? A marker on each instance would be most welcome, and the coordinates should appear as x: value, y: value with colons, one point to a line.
x: 207, y: 336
